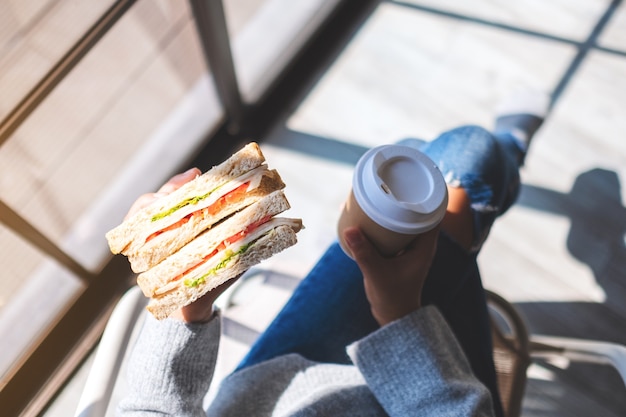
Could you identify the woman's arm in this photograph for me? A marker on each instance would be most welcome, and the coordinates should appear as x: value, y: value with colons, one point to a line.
x: 413, y: 364
x: 170, y: 368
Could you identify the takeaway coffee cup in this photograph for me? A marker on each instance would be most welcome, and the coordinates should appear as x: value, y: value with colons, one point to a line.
x: 397, y: 193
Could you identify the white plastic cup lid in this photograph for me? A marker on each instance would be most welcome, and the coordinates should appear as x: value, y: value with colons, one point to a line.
x: 400, y: 188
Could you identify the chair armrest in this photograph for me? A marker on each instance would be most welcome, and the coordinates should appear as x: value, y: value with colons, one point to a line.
x: 579, y: 350
x: 102, y: 376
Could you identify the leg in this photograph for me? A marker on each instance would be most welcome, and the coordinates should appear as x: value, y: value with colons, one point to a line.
x: 482, y: 173
x: 337, y: 311
x: 325, y: 313
x: 332, y: 295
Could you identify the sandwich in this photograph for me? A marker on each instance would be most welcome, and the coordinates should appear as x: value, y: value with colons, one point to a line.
x: 219, y: 254
x: 207, y: 232
x: 157, y: 231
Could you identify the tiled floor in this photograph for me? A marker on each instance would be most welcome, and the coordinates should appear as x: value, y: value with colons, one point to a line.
x: 417, y: 68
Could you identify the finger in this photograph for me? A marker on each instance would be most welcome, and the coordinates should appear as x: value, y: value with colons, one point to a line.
x: 201, y: 310
x: 364, y: 253
x: 179, y: 180
x: 428, y: 241
x: 143, y: 201
x: 423, y: 248
x: 173, y: 184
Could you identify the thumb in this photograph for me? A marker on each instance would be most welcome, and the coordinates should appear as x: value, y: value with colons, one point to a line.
x: 362, y: 249
x: 179, y: 180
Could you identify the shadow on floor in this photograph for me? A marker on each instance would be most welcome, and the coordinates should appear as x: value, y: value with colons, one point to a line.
x: 596, y: 238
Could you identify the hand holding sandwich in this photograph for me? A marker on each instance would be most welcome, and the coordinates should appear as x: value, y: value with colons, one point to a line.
x: 201, y: 310
x: 171, y: 185
x: 199, y: 231
x: 393, y: 286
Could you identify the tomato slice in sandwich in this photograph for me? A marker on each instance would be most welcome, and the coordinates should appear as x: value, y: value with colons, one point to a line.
x: 224, y: 244
x: 213, y: 209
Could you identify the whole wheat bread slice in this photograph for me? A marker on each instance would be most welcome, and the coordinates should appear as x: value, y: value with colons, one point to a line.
x: 144, y: 257
x: 130, y: 237
x: 270, y: 244
x: 196, y: 250
x: 240, y: 162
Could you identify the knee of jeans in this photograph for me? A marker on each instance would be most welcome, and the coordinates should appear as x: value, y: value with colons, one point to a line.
x: 414, y: 143
x: 471, y: 158
x: 480, y: 140
x: 467, y: 146
x: 467, y: 156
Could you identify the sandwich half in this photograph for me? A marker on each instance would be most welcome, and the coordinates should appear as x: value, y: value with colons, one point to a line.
x: 152, y: 234
x: 219, y: 254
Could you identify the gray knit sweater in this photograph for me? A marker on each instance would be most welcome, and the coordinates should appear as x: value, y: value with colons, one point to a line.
x: 411, y: 367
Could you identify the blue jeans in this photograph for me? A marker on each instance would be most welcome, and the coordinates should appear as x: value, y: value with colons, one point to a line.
x: 329, y: 309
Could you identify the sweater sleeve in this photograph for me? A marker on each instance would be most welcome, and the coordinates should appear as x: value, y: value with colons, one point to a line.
x: 415, y: 366
x: 170, y: 368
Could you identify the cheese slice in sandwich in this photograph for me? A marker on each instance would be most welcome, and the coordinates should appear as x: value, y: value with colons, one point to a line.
x: 162, y: 228
x: 219, y: 254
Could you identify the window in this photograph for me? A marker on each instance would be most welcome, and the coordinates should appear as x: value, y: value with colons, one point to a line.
x: 95, y: 141
x: 103, y: 101
x: 284, y: 25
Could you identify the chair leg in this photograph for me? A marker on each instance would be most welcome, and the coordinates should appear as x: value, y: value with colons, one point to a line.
x: 579, y: 350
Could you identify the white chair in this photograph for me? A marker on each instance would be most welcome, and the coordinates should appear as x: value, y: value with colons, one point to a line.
x: 98, y: 390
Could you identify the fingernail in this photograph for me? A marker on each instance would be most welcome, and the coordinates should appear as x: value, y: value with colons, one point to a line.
x: 183, y: 176
x: 353, y: 237
x: 189, y: 171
